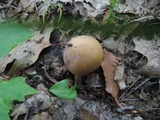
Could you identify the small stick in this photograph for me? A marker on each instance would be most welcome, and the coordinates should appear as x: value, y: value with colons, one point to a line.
x: 65, y: 44
x: 129, y: 88
x: 136, y: 88
x: 7, y: 5
x: 136, y: 99
x: 126, y: 108
x: 48, y: 76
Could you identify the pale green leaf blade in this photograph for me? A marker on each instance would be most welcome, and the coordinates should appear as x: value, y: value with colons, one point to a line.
x: 11, y: 34
x: 62, y: 90
x: 4, y: 110
x: 15, y: 89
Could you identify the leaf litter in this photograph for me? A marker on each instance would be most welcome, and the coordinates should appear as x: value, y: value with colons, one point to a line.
x: 33, y: 105
x: 112, y: 87
x: 87, y: 8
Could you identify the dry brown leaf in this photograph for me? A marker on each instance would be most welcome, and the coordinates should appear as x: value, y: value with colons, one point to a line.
x: 26, y: 53
x: 104, y: 20
x: 109, y: 65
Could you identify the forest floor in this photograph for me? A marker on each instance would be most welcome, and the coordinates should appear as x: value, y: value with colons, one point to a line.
x: 128, y: 30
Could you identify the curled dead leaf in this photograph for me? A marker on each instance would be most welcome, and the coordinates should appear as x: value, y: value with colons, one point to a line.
x: 109, y: 65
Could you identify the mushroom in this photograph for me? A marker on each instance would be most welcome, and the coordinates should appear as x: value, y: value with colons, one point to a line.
x: 83, y: 55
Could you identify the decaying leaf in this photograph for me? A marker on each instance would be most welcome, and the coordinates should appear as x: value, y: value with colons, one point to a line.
x: 42, y: 116
x: 119, y: 77
x: 28, y: 5
x: 71, y: 109
x: 115, y: 44
x: 86, y: 115
x: 109, y: 65
x: 90, y: 8
x: 39, y: 102
x: 26, y: 53
x: 140, y: 7
x: 150, y: 49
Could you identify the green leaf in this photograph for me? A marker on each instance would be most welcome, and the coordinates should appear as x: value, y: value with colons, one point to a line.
x: 62, y: 90
x: 14, y: 89
x: 4, y: 110
x: 1, y: 81
x: 11, y: 34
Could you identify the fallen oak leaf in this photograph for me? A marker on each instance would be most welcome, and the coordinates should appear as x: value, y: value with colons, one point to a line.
x: 26, y: 53
x: 150, y: 50
x: 109, y: 65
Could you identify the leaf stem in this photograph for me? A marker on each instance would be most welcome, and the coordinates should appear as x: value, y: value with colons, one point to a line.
x: 65, y: 44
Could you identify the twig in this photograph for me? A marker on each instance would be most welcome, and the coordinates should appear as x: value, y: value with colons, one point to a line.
x: 48, y: 77
x: 129, y: 87
x: 65, y: 44
x: 136, y: 88
x: 145, y: 116
x: 127, y: 108
x: 124, y: 100
x: 8, y: 5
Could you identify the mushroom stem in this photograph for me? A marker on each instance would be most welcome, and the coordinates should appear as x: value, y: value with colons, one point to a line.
x: 78, y: 80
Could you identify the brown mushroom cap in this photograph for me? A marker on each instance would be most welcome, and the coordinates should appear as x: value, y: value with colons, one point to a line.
x: 84, y: 56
